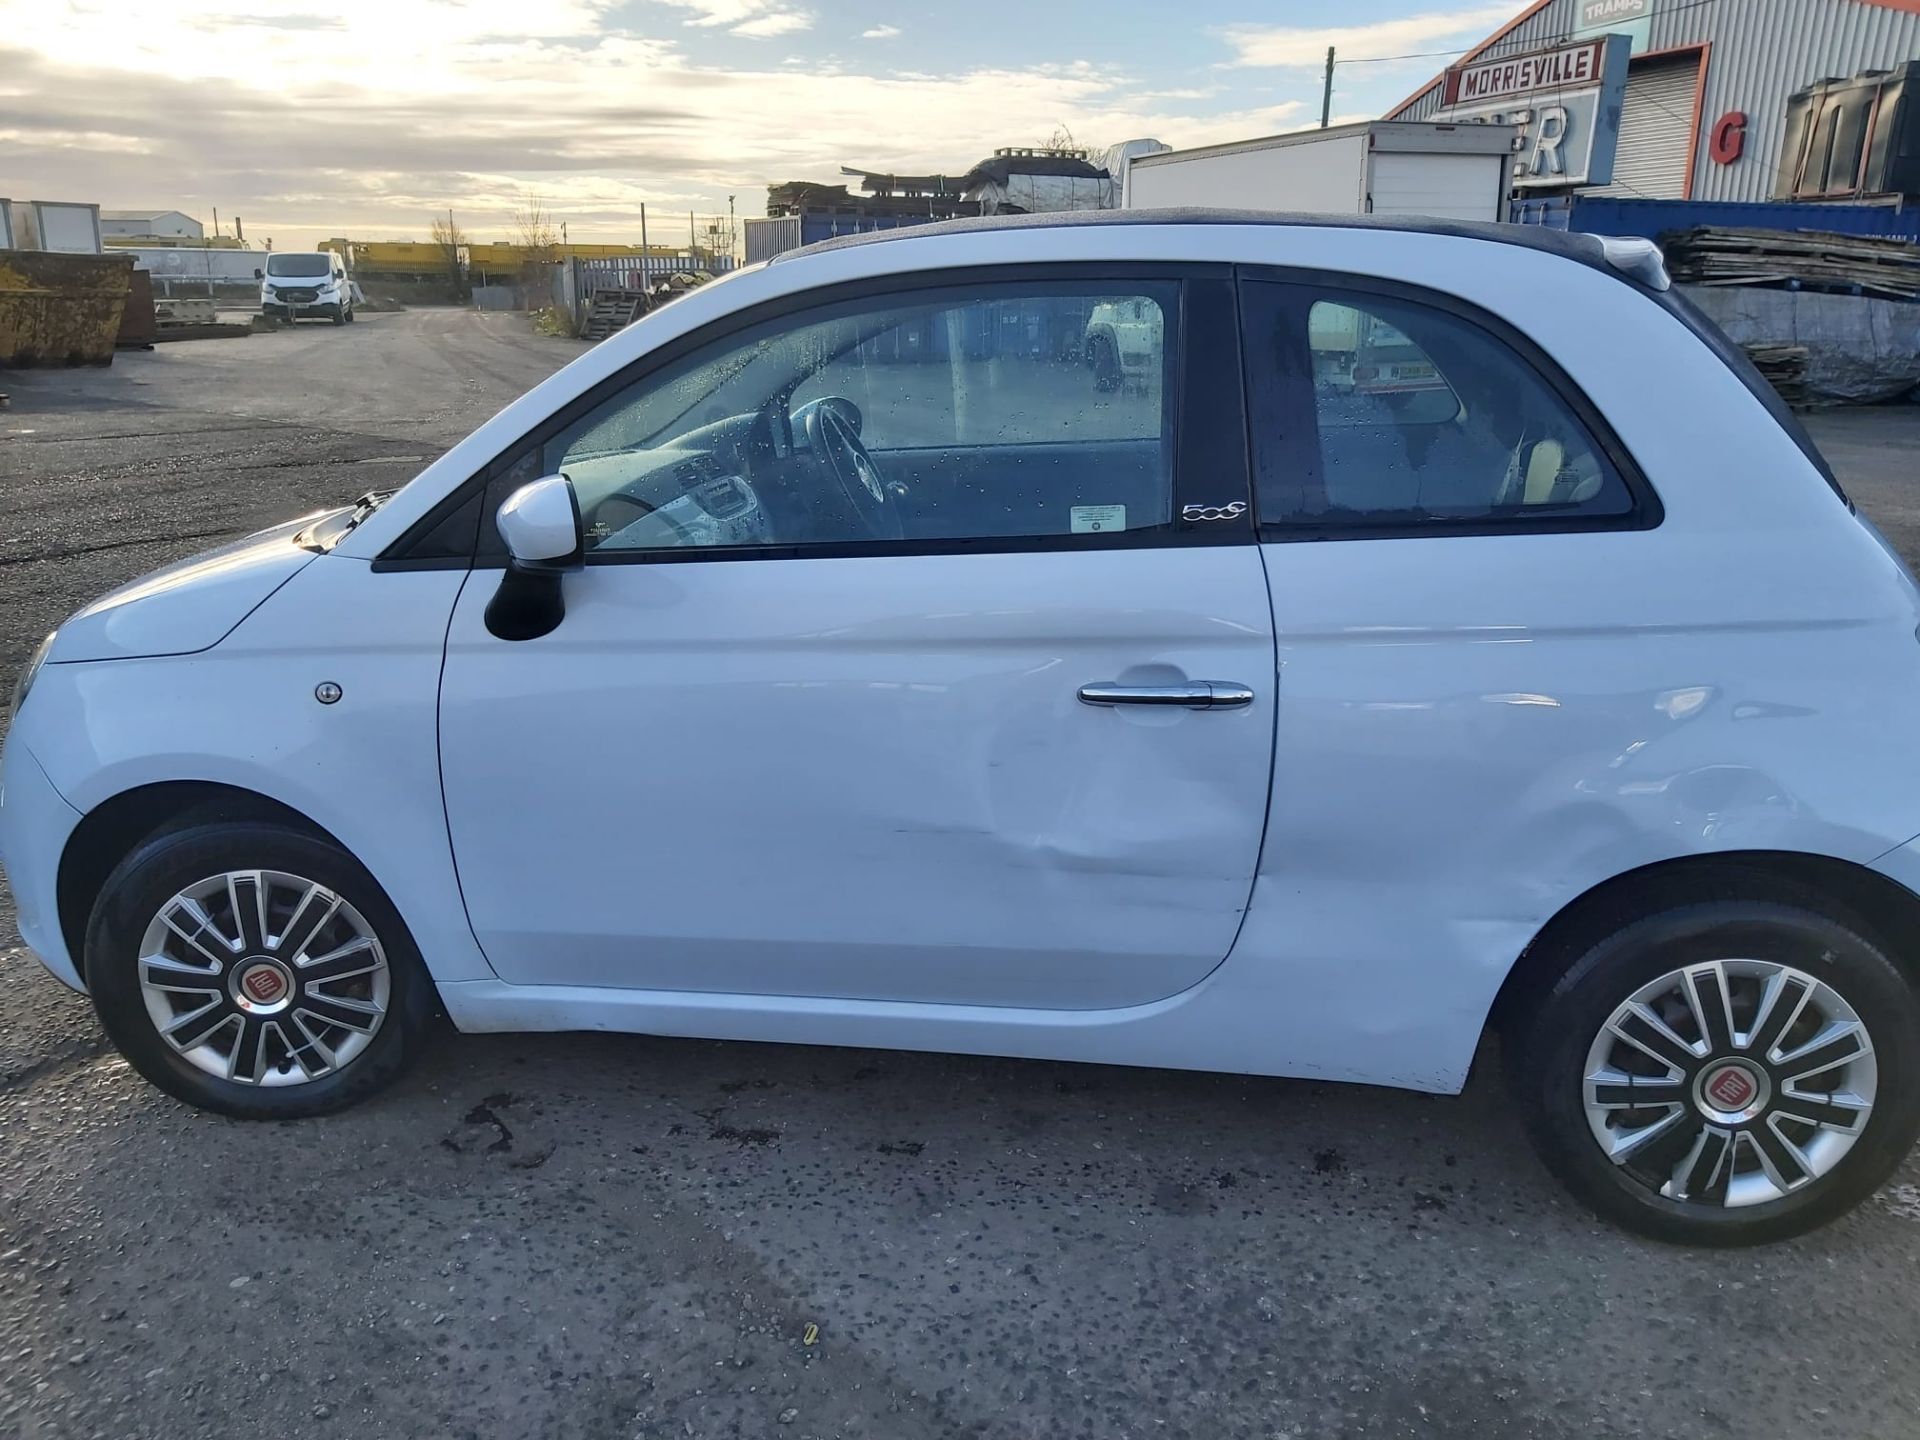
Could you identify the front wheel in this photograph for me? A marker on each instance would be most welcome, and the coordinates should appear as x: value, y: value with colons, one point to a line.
x: 339, y: 315
x: 257, y: 971
x: 1723, y: 1073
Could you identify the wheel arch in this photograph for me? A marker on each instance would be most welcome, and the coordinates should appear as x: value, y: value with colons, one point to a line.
x: 111, y: 831
x: 1881, y: 909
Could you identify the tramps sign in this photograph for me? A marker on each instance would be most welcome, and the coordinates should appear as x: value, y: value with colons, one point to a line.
x: 1616, y: 17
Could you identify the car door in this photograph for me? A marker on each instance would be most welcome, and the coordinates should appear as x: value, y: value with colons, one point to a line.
x: 892, y: 729
x: 1468, y: 586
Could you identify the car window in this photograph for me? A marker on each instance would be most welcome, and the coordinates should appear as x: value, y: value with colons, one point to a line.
x: 1017, y: 370
x: 299, y: 264
x: 1001, y: 411
x: 1418, y: 416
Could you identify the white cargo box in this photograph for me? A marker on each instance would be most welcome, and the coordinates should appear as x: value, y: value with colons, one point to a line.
x: 1378, y: 167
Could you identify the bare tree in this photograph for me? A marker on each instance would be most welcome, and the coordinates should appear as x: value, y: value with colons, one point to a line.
x: 539, y: 241
x: 534, y: 229
x: 1062, y: 139
x: 452, y: 241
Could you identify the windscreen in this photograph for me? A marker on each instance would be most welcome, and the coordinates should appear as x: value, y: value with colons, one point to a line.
x: 299, y: 264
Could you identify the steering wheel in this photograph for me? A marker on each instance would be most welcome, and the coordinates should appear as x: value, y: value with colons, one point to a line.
x: 837, y: 443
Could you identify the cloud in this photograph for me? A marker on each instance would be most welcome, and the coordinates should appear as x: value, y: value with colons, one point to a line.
x: 1275, y: 46
x: 756, y: 19
x: 774, y: 22
x: 880, y: 32
x: 470, y: 103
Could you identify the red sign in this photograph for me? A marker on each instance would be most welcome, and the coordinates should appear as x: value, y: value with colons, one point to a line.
x: 1572, y: 67
x: 1729, y: 137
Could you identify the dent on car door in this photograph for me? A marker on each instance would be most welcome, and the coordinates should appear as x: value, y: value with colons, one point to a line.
x: 812, y: 724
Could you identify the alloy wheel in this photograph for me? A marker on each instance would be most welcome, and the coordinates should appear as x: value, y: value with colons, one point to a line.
x: 1730, y: 1082
x: 263, y: 978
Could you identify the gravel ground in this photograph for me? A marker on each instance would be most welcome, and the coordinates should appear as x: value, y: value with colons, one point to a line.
x: 601, y: 1236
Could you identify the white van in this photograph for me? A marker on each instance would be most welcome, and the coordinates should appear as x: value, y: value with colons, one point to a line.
x: 300, y: 283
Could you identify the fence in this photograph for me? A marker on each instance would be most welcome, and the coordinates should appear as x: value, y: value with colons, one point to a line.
x: 575, y: 281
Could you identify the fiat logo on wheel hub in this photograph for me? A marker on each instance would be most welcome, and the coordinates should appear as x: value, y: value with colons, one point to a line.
x: 262, y: 985
x: 1732, y: 1088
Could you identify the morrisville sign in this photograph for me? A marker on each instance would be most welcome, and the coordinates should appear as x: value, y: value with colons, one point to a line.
x: 1576, y: 67
x: 1565, y: 103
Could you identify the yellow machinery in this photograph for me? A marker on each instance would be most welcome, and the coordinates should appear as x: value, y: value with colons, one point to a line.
x: 172, y: 242
x: 391, y: 259
x: 413, y: 259
x: 502, y: 256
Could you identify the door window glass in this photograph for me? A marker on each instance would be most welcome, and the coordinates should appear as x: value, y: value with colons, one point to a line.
x: 1421, y: 416
x: 1006, y: 411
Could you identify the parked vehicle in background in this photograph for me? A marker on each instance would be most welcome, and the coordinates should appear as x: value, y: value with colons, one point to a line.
x: 1123, y: 337
x: 1376, y: 167
x: 298, y: 284
x: 823, y: 659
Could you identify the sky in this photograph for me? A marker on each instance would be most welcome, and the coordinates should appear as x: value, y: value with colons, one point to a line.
x: 365, y: 118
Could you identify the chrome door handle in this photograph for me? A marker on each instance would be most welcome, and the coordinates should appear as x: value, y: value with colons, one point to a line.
x: 1195, y: 695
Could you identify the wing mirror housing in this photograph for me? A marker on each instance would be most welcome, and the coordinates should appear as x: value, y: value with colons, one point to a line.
x: 540, y: 526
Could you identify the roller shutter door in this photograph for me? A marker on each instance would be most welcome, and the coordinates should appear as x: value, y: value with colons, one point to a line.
x: 1655, y: 155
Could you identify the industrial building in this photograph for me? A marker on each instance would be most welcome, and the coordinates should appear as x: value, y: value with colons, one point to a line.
x: 1730, y: 100
x: 150, y: 225
x: 1014, y: 180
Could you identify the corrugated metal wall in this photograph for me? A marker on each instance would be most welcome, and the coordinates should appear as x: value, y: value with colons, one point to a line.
x: 1787, y: 44
x: 1656, y: 130
x: 1763, y: 50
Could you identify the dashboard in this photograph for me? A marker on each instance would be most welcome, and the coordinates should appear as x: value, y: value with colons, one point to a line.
x: 737, y: 481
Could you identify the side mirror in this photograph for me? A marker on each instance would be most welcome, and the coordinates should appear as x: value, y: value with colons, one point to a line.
x: 540, y: 526
x: 540, y: 523
x: 259, y: 274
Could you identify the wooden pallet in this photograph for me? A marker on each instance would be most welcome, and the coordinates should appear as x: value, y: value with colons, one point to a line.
x: 613, y: 310
x: 1862, y: 264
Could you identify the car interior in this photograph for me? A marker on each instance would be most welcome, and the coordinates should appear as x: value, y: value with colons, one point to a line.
x: 1425, y: 416
x: 755, y: 447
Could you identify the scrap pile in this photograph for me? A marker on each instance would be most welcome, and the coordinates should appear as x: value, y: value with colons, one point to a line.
x: 1784, y: 367
x: 1814, y: 260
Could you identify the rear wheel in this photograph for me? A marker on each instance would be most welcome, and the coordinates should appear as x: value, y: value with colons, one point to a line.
x: 253, y: 970
x: 1725, y: 1073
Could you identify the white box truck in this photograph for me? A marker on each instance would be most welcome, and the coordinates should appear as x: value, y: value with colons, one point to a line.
x: 1377, y: 167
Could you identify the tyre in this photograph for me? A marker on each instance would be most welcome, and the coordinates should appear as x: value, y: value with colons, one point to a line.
x: 349, y: 315
x: 253, y: 970
x: 1727, y: 1072
x: 339, y: 315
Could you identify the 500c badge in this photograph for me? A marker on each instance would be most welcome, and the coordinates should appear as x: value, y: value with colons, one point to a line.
x: 1214, y: 512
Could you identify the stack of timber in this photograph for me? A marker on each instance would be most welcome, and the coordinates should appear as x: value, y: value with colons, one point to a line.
x: 1810, y: 259
x: 1784, y: 367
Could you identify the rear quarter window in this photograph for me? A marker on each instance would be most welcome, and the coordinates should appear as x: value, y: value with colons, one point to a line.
x: 1375, y: 413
